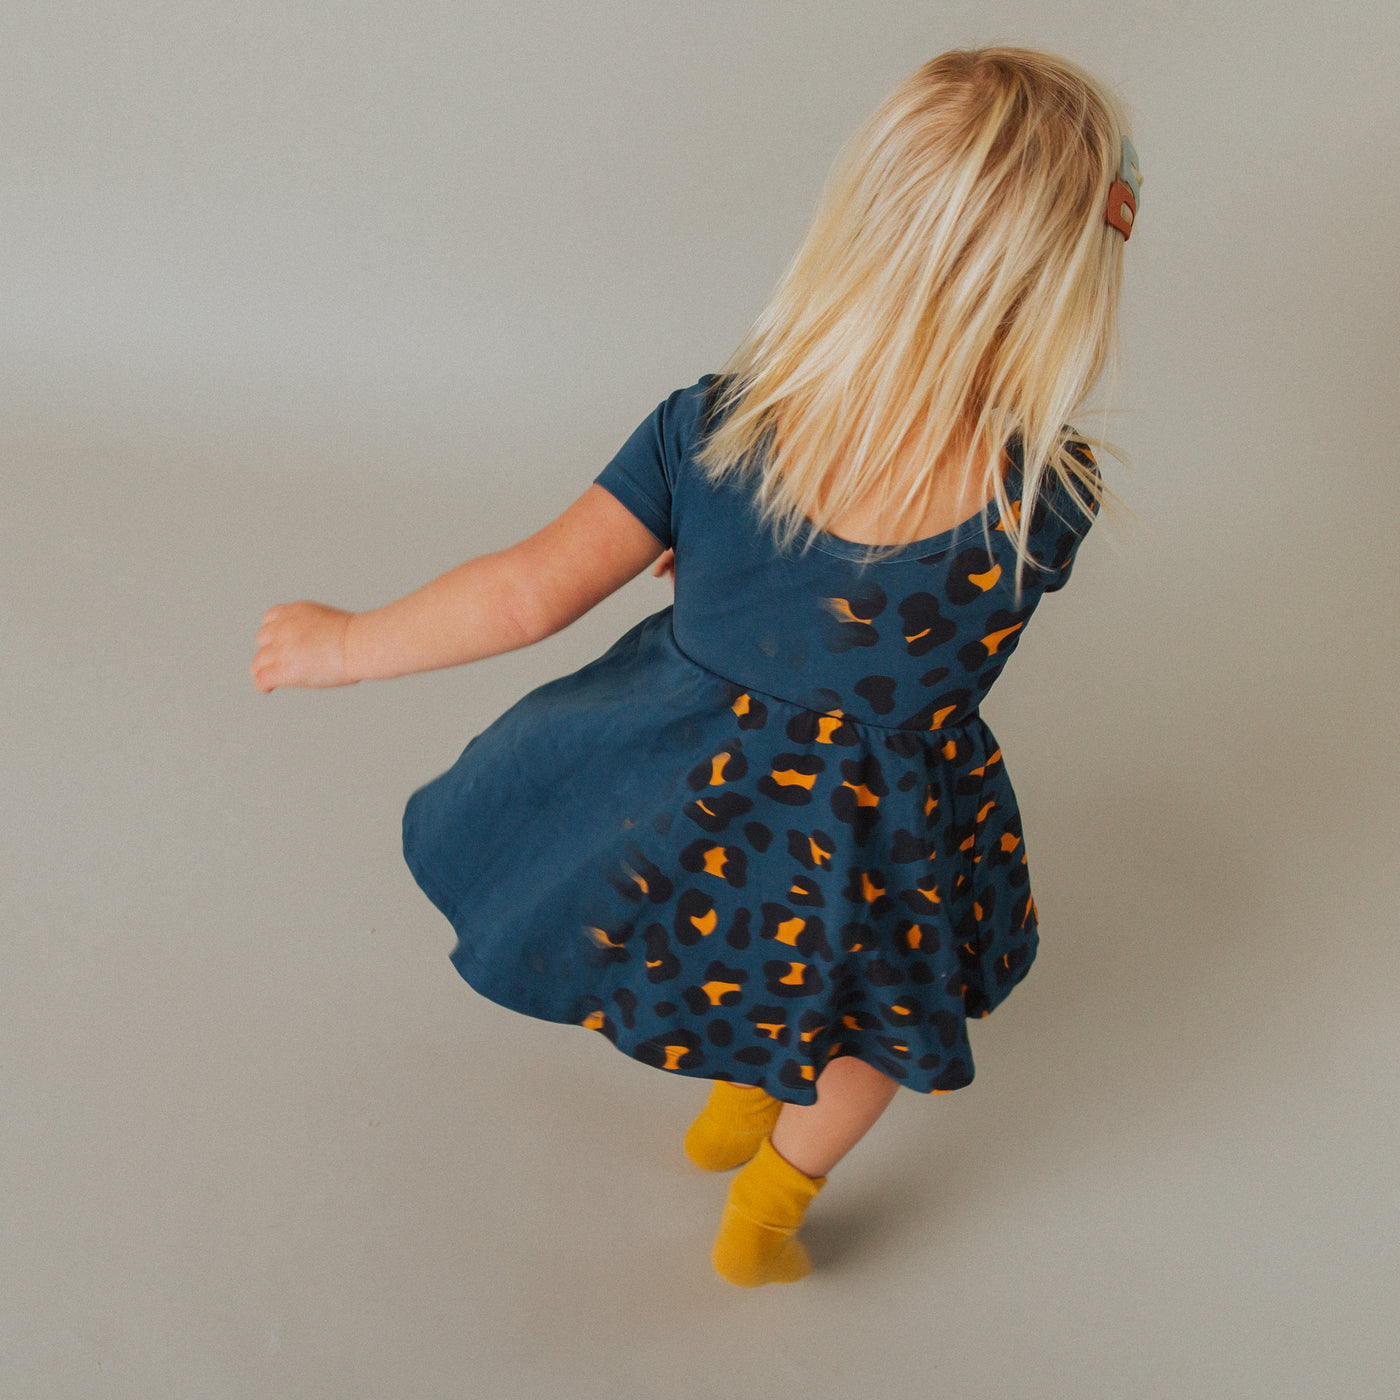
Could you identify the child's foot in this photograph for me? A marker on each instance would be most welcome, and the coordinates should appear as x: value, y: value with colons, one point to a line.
x: 766, y: 1203
x: 731, y: 1126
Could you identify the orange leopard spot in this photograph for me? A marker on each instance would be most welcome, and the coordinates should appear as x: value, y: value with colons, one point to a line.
x: 814, y: 1032
x: 994, y: 639
x: 1010, y: 842
x: 950, y: 750
x: 788, y: 932
x: 869, y: 890
x: 790, y: 777
x: 840, y: 607
x: 986, y: 581
x: 715, y: 990
x: 673, y: 1056
x: 827, y: 725
x: 714, y: 860
x: 705, y: 923
x: 593, y: 1021
x: 982, y: 815
x: 795, y: 977
x: 982, y: 771
x: 772, y: 1029
x: 717, y: 768
x: 820, y: 855
x: 940, y: 715
x: 741, y: 706
x: 864, y: 797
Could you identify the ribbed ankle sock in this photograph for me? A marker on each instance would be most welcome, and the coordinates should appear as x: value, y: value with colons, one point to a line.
x: 765, y: 1205
x: 731, y: 1126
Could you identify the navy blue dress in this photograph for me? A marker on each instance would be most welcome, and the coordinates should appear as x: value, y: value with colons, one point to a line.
x: 768, y: 826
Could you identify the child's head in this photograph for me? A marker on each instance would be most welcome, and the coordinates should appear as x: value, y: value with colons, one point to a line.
x: 959, y: 284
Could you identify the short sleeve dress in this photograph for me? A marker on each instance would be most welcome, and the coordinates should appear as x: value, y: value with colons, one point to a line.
x: 768, y: 827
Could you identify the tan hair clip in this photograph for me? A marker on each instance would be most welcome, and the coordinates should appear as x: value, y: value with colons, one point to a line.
x: 1124, y: 193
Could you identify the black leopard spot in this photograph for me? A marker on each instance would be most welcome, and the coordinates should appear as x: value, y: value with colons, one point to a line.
x: 919, y: 971
x: 793, y: 777
x: 806, y: 935
x: 919, y: 938
x: 662, y: 964
x: 608, y: 940
x: 771, y: 1023
x: 900, y: 1013
x: 676, y: 1050
x: 999, y: 639
x: 931, y: 678
x: 727, y: 766
x: 895, y: 1047
x: 750, y: 711
x: 879, y: 973
x: 972, y: 573
x: 1008, y: 848
x: 792, y: 979
x: 948, y: 1026
x: 867, y: 887
x: 753, y: 1055
x: 716, y: 810
x: 889, y: 1067
x: 955, y: 1076
x: 861, y: 1020
x: 924, y: 897
x: 795, y: 1075
x: 877, y: 692
x: 951, y: 705
x: 728, y: 863
x: 1008, y: 966
x: 661, y: 822
x: 856, y: 937
x: 905, y: 745
x: 924, y: 626
x: 806, y: 893
x: 737, y: 935
x: 907, y: 781
x: 906, y: 847
x: 641, y: 879
x: 809, y: 727
x: 812, y: 849
x: 851, y: 617
x: 856, y: 800
x: 627, y: 1006
x: 723, y: 986
x: 696, y: 917
x: 719, y: 1033
x: 665, y: 1008
x: 758, y: 836
x: 929, y: 1061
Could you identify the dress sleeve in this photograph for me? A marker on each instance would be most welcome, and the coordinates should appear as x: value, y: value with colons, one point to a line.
x: 1069, y: 525
x: 643, y: 473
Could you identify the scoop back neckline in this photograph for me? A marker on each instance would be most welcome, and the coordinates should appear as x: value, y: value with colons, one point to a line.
x: 987, y: 518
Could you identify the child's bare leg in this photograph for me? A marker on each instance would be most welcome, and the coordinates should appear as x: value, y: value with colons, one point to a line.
x: 851, y: 1095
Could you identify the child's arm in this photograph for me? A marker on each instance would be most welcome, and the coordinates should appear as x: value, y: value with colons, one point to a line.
x: 491, y: 604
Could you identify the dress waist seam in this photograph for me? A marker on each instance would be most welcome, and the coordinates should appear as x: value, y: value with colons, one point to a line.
x: 971, y: 716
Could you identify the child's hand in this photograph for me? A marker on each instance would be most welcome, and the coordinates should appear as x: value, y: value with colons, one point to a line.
x: 665, y: 564
x: 301, y: 644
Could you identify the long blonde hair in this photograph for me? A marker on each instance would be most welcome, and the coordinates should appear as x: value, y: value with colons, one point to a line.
x: 958, y: 287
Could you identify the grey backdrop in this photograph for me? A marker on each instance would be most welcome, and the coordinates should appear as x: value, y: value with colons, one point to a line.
x: 317, y: 300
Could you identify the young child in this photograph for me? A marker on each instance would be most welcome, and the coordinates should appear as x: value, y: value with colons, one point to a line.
x: 766, y: 840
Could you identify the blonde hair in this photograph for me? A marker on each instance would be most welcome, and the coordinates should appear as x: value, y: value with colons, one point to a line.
x: 958, y: 287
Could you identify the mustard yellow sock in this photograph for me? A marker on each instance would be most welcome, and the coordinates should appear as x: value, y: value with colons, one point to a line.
x: 730, y: 1126
x: 766, y: 1203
